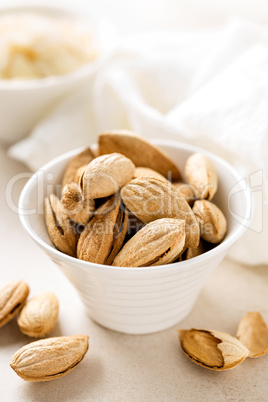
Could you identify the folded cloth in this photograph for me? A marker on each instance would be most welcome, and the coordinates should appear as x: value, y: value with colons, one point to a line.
x: 209, y: 88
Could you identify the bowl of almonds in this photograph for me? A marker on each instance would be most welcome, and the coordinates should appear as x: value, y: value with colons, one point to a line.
x: 136, y: 226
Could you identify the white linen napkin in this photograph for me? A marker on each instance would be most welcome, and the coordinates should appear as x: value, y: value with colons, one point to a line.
x: 209, y: 88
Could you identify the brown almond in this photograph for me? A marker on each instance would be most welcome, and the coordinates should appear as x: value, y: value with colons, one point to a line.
x: 158, y: 243
x: 12, y: 298
x: 213, y: 224
x: 201, y: 174
x: 39, y: 316
x: 75, y: 206
x: 104, y: 234
x: 50, y: 358
x: 150, y: 199
x: 106, y: 174
x: 59, y: 226
x: 140, y: 151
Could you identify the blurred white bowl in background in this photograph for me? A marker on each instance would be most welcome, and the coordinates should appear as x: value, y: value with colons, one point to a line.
x: 24, y: 102
x: 137, y: 300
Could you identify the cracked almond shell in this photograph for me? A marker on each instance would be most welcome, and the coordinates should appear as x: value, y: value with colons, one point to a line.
x: 74, y: 205
x: 104, y: 235
x: 201, y: 174
x: 12, y: 298
x: 140, y: 151
x: 106, y: 174
x: 213, y: 224
x: 253, y: 333
x: 150, y: 199
x: 158, y: 243
x: 59, y: 226
x: 39, y: 316
x: 214, y: 350
x: 50, y: 358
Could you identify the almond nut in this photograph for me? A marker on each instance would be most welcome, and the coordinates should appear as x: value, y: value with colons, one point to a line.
x: 140, y: 151
x: 158, y: 243
x: 201, y: 174
x: 39, y: 316
x: 59, y: 226
x: 106, y: 174
x: 213, y: 225
x: 50, y: 358
x: 12, y: 298
x: 150, y: 199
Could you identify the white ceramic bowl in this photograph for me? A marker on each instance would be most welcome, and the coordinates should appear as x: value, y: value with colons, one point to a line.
x: 25, y: 102
x: 136, y: 300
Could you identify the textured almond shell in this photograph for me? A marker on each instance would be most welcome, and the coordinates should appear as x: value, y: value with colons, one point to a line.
x: 39, y: 316
x: 12, y: 298
x: 97, y: 239
x: 150, y: 199
x: 213, y: 225
x: 106, y: 174
x: 59, y: 226
x: 74, y: 206
x: 253, y: 333
x: 83, y: 158
x: 140, y: 151
x: 216, y: 351
x: 158, y: 243
x: 50, y: 358
x: 120, y: 232
x: 201, y: 174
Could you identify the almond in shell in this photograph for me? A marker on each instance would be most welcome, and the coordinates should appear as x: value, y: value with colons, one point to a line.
x: 213, y: 224
x: 106, y: 174
x: 150, y: 199
x: 201, y: 174
x: 50, y: 358
x: 39, y: 316
x: 59, y: 226
x: 104, y: 235
x: 13, y: 296
x: 158, y: 243
x: 140, y: 151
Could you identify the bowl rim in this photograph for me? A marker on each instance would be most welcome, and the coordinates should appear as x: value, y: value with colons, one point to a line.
x: 219, y: 249
x: 82, y: 72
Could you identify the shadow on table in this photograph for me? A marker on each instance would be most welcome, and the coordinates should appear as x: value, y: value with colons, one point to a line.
x: 78, y: 385
x: 10, y: 334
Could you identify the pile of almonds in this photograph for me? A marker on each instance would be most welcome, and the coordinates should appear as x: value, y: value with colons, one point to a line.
x: 125, y: 205
x: 45, y: 359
